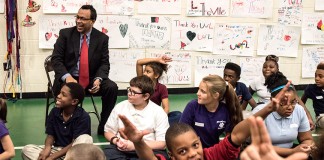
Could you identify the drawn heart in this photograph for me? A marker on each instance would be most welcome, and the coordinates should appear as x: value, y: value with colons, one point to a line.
x: 104, y: 30
x: 48, y: 35
x: 123, y: 29
x: 191, y: 35
x: 287, y: 38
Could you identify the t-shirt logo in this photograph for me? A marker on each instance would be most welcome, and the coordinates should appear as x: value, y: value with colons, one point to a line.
x: 221, y: 124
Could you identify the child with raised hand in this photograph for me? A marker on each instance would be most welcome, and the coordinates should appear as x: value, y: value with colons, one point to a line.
x: 288, y: 121
x: 154, y: 68
x: 183, y: 142
x: 261, y: 147
x: 67, y: 125
x: 7, y: 150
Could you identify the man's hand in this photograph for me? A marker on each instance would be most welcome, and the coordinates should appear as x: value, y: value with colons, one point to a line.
x: 130, y: 132
x: 95, y: 87
x: 44, y: 154
x: 261, y: 147
x: 70, y: 79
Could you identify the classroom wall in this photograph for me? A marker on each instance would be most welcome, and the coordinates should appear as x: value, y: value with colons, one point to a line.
x: 32, y: 58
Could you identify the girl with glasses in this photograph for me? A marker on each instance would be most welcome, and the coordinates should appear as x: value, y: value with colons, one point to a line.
x: 289, y: 121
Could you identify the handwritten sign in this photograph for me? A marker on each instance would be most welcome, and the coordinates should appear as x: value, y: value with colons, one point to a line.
x: 150, y: 32
x: 116, y: 27
x: 251, y: 68
x: 312, y: 56
x: 252, y: 8
x: 206, y: 65
x: 290, y: 12
x: 2, y: 6
x: 179, y: 70
x: 208, y: 7
x: 124, y: 7
x: 313, y: 28
x: 279, y: 40
x: 319, y: 5
x: 192, y: 35
x: 123, y: 64
x: 159, y: 7
x: 50, y: 26
x: 234, y: 39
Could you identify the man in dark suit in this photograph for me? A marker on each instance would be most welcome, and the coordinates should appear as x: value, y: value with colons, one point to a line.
x: 67, y: 61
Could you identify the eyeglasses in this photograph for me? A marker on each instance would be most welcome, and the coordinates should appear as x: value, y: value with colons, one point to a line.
x: 81, y: 18
x: 132, y: 93
x: 272, y: 57
x: 292, y: 103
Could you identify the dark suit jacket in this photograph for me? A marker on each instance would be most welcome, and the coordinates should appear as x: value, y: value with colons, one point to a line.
x: 66, y: 53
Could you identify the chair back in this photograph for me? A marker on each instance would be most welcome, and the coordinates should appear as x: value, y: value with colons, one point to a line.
x: 48, y: 69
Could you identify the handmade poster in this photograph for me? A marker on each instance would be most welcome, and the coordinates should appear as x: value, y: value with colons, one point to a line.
x: 123, y: 64
x: 150, y: 32
x: 251, y: 68
x: 208, y: 8
x: 252, y: 8
x: 116, y: 27
x: 159, y: 7
x: 290, y: 12
x: 2, y: 6
x: 312, y: 56
x: 192, y: 35
x: 119, y: 7
x: 319, y: 5
x: 234, y: 39
x: 179, y: 70
x: 312, y: 28
x: 210, y: 65
x: 279, y: 40
x: 49, y: 27
x: 124, y: 7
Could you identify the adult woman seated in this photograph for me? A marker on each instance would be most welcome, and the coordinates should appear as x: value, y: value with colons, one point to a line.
x: 289, y: 122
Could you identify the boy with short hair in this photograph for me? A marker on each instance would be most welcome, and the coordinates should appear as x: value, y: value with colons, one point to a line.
x: 315, y: 92
x: 144, y: 114
x: 67, y: 125
x: 232, y: 73
x: 183, y: 142
x: 85, y: 151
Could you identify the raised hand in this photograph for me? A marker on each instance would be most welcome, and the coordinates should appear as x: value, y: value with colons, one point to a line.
x: 277, y: 100
x: 261, y: 147
x: 130, y: 132
x: 165, y: 59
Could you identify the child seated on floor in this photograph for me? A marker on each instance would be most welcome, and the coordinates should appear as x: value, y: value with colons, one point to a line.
x: 183, y: 142
x: 67, y: 125
x: 85, y: 151
x: 7, y: 150
x: 315, y: 92
x: 154, y: 68
x: 144, y: 114
x: 232, y: 73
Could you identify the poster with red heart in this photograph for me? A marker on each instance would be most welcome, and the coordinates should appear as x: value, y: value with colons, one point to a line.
x: 49, y: 27
x: 192, y: 35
